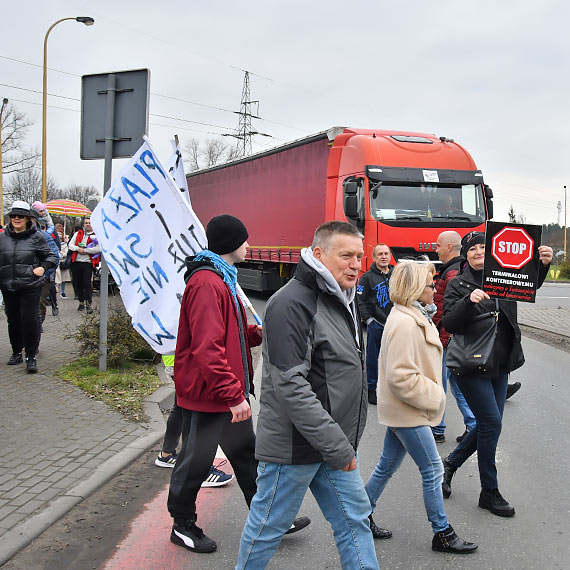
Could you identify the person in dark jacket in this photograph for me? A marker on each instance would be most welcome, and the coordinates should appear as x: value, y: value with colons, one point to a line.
x: 24, y: 258
x: 213, y: 376
x: 449, y: 252
x: 374, y: 303
x: 48, y: 288
x: 485, y: 392
x: 313, y: 405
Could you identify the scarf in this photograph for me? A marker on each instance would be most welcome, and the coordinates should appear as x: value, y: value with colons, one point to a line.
x: 229, y: 272
x: 426, y: 310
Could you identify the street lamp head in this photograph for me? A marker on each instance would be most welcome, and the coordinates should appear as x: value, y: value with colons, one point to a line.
x: 4, y: 101
x: 88, y: 21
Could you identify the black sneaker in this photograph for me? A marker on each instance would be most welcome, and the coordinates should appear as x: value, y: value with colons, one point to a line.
x: 377, y: 532
x: 439, y: 437
x: 299, y: 524
x: 63, y: 296
x: 55, y: 311
x: 81, y: 307
x: 372, y: 398
x: 188, y: 535
x: 512, y: 389
x: 16, y: 358
x: 31, y: 365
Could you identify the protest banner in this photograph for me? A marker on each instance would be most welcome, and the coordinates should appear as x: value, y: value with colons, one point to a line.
x: 511, y: 261
x: 175, y: 167
x: 146, y: 229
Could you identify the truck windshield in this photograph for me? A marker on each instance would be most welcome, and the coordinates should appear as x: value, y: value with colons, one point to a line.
x: 427, y: 202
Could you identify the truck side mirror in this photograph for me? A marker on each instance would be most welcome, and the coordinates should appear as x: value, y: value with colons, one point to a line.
x: 489, y: 196
x: 353, y: 201
x: 351, y: 198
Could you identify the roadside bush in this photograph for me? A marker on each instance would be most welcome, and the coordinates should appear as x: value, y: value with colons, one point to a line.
x: 123, y: 342
x: 565, y: 270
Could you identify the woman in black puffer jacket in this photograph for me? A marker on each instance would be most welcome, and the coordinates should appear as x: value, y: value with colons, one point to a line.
x: 24, y: 258
x: 485, y: 391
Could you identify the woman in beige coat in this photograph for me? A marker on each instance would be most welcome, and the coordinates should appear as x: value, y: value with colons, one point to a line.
x: 411, y: 399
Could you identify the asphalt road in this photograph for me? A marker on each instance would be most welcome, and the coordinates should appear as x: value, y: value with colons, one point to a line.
x: 125, y: 524
x: 553, y: 295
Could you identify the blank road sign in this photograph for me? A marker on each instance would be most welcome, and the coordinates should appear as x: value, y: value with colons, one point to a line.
x: 131, y: 113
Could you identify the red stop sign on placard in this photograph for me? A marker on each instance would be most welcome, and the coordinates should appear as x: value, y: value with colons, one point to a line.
x: 512, y: 247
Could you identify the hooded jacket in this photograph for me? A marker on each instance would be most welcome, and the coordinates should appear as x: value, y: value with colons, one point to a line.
x: 20, y: 254
x: 313, y: 394
x: 372, y: 294
x: 446, y: 273
x: 208, y: 368
x: 459, y: 311
x: 410, y: 392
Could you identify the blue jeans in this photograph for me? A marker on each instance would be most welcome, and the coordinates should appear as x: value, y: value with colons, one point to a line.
x: 468, y: 417
x: 280, y: 492
x: 419, y: 443
x: 373, y: 342
x: 486, y: 398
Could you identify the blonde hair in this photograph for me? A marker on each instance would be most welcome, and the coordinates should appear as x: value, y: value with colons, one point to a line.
x: 408, y: 280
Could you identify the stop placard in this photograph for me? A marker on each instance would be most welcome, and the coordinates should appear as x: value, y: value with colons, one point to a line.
x: 512, y: 248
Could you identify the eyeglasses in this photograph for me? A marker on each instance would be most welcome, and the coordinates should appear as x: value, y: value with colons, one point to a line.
x: 18, y: 216
x: 431, y: 286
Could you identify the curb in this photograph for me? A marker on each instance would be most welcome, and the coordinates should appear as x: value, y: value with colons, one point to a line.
x: 14, y: 540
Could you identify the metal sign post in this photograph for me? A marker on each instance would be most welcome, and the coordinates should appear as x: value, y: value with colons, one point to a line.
x: 114, y: 119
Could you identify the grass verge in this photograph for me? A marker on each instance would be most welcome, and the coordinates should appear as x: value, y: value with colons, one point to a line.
x: 554, y: 274
x: 124, y: 388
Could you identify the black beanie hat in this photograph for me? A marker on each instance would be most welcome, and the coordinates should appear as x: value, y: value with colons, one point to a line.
x: 225, y: 234
x: 469, y: 240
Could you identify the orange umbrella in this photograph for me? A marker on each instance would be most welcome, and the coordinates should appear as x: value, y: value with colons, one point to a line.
x: 67, y: 208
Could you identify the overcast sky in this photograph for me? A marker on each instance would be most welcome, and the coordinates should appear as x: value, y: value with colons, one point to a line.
x: 492, y: 75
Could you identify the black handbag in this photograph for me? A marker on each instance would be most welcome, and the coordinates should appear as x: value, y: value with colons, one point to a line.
x: 66, y: 263
x: 472, y: 351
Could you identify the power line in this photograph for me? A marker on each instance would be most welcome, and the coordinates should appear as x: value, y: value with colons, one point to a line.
x: 204, y: 105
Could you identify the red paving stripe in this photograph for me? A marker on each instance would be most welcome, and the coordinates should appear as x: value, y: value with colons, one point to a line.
x: 147, y: 544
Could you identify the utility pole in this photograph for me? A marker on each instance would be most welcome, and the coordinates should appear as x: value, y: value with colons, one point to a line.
x: 245, y: 131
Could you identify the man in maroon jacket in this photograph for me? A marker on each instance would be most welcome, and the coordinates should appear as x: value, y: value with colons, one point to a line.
x: 448, y: 251
x: 213, y: 375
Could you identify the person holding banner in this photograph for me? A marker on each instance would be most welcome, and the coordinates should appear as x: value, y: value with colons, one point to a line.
x: 464, y: 304
x: 213, y: 375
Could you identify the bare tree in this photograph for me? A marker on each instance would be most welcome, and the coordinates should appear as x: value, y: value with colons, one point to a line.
x: 211, y: 153
x: 514, y: 218
x: 14, y: 128
x: 27, y: 185
x: 192, y: 151
x: 79, y: 193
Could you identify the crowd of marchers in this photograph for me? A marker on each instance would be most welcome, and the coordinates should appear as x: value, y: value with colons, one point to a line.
x: 319, y: 375
x: 318, y: 379
x: 37, y: 259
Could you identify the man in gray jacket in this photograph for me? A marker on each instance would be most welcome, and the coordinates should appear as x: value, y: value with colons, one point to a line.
x: 313, y: 405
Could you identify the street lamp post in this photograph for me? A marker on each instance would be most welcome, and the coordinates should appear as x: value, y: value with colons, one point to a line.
x: 4, y: 103
x: 88, y: 22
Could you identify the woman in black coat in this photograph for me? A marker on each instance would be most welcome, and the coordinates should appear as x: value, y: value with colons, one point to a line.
x: 24, y: 258
x: 485, y: 391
